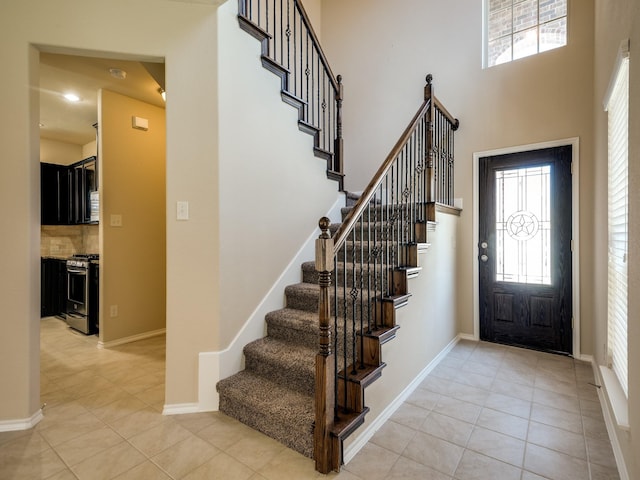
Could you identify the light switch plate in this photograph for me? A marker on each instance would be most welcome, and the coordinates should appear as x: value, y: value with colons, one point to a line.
x: 182, y: 210
x: 116, y: 220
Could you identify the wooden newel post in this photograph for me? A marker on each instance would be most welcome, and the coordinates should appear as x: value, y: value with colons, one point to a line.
x: 430, y: 178
x: 325, y: 359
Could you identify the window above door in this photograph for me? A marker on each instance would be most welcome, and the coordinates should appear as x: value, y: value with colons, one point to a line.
x: 516, y: 29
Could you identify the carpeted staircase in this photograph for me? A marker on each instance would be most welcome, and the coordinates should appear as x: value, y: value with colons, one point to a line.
x: 275, y: 392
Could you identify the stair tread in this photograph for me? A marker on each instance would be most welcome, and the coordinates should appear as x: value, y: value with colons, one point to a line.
x: 294, y: 318
x: 282, y: 352
x: 268, y: 395
x: 272, y: 408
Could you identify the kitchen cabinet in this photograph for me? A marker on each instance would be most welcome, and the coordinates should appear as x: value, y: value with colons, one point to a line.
x: 53, y: 292
x: 86, y: 190
x: 69, y: 194
x: 56, y: 194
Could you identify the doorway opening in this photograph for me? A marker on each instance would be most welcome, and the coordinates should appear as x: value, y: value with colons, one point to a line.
x: 128, y: 229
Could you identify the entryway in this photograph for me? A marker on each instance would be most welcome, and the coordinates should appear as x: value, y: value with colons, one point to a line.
x: 525, y: 249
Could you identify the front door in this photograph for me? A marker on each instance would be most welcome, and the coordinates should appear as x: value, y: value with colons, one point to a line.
x: 524, y: 249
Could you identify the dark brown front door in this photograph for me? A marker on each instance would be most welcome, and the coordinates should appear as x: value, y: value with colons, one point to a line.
x: 525, y: 249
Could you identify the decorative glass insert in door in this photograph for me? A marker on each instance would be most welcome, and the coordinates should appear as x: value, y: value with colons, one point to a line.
x: 523, y: 225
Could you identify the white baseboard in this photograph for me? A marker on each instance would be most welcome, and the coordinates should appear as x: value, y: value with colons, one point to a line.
x: 610, y: 423
x: 468, y: 336
x: 21, y: 424
x: 181, y: 409
x: 132, y: 338
x: 214, y: 366
x: 370, y: 431
x: 584, y: 358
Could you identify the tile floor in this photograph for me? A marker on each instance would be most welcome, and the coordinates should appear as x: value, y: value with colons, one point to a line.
x: 485, y: 412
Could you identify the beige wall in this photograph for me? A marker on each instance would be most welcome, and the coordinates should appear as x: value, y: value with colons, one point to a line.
x: 384, y: 50
x: 132, y: 180
x: 59, y: 153
x: 314, y: 10
x: 617, y: 21
x: 272, y: 191
x: 184, y: 34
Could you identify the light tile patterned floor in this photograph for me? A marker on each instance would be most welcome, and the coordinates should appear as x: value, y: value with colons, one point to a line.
x: 485, y: 412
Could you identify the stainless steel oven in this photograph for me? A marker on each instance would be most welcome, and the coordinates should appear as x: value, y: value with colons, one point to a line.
x: 80, y: 293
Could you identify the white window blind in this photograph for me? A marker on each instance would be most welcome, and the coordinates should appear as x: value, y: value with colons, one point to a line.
x: 618, y: 200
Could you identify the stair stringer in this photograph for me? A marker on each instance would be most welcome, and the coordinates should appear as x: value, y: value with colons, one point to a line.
x: 299, y: 104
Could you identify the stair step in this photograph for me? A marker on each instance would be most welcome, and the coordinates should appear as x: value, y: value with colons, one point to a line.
x: 347, y: 422
x: 282, y: 362
x: 299, y: 327
x: 273, y: 409
x: 310, y: 275
x: 383, y: 334
x: 304, y: 296
x: 364, y: 230
x: 383, y: 211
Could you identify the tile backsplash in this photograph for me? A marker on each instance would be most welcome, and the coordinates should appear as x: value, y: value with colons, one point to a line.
x: 66, y: 240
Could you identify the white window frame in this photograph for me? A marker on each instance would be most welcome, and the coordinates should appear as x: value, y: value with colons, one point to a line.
x: 485, y: 34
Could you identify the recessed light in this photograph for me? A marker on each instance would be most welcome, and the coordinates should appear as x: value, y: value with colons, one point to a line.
x: 118, y: 73
x: 72, y: 97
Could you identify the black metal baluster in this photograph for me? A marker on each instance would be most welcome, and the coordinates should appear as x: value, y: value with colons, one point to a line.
x: 362, y: 299
x: 282, y: 36
x: 345, y: 329
x: 302, y: 57
x: 354, y: 298
x: 376, y: 259
x: 336, y: 313
x: 372, y: 253
x: 288, y: 34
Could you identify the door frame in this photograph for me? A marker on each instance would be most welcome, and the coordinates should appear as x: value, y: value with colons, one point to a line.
x: 575, y: 229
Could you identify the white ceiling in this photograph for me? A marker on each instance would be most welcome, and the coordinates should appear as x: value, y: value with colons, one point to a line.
x: 59, y: 74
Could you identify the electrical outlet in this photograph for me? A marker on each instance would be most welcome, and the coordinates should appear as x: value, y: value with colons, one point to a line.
x: 113, y: 311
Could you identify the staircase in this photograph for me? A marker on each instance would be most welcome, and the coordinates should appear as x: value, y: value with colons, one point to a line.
x: 275, y: 392
x: 304, y: 383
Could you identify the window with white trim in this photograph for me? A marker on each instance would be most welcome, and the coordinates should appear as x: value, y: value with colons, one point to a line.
x: 617, y: 106
x: 518, y: 28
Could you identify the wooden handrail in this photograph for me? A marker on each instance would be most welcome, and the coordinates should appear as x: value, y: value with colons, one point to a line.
x: 347, y: 225
x: 455, y: 123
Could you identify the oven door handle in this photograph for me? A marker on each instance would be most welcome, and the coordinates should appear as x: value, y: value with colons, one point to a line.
x: 80, y: 271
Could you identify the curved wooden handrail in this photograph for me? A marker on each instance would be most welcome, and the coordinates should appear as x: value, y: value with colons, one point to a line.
x: 352, y: 217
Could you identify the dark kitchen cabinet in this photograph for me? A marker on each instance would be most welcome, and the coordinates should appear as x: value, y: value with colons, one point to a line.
x: 56, y: 194
x: 69, y: 194
x: 53, y: 290
x: 86, y: 191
